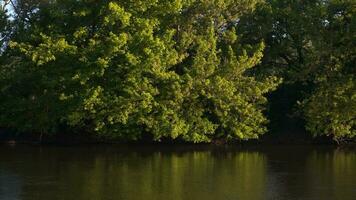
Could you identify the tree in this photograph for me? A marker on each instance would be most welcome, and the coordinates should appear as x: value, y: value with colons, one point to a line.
x: 4, y: 25
x: 330, y: 109
x: 310, y: 44
x: 171, y: 69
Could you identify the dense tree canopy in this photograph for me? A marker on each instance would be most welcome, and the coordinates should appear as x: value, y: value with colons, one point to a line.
x: 197, y: 70
x: 311, y: 43
x: 124, y: 68
x: 331, y: 108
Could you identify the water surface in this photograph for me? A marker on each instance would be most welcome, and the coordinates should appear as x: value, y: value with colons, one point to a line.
x: 177, y: 173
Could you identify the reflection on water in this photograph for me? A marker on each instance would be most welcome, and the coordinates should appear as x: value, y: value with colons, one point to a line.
x: 330, y: 171
x: 176, y: 173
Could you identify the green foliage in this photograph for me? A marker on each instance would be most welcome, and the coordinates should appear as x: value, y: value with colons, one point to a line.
x: 331, y: 110
x: 331, y: 107
x: 172, y: 69
x: 196, y: 70
x: 4, y: 26
x: 311, y: 43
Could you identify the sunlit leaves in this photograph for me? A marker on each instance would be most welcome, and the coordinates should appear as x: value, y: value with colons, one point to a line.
x: 168, y: 69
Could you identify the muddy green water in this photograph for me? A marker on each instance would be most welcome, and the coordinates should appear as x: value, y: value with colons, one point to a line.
x: 177, y: 173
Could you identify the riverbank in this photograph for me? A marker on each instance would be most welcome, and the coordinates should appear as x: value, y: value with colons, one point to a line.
x: 82, y: 138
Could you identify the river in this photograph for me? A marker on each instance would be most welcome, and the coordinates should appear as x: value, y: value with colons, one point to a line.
x: 177, y: 173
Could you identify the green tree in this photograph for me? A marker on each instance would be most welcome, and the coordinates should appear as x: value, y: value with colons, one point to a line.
x: 310, y: 44
x: 4, y: 25
x: 172, y: 69
x: 331, y: 108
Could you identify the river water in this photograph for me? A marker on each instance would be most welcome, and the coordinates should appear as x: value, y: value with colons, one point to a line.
x: 177, y: 173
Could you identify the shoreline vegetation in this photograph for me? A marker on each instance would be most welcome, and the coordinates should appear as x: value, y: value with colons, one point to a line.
x: 69, y: 139
x: 178, y: 71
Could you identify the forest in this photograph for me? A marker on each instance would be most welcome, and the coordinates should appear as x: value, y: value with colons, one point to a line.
x: 180, y: 70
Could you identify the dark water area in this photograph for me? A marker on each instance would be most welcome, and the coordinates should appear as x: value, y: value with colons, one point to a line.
x: 177, y: 173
